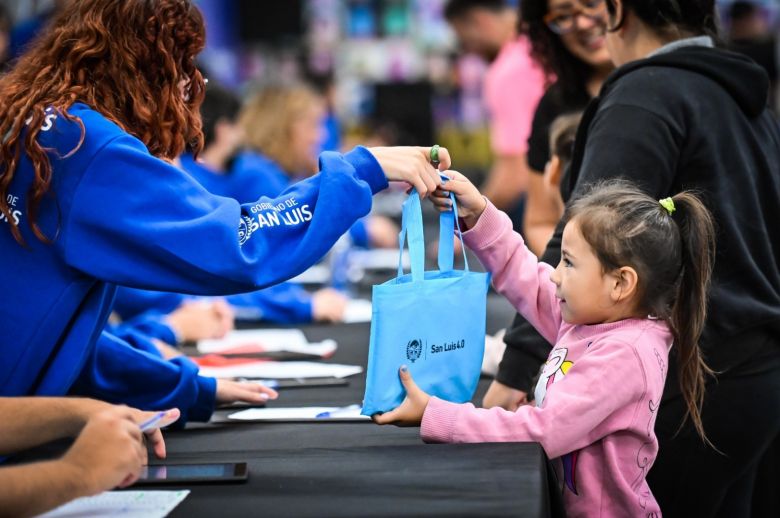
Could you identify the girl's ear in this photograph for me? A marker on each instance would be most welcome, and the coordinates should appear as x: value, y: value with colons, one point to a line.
x: 624, y: 284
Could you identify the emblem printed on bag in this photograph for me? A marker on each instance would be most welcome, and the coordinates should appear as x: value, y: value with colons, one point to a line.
x: 413, y: 350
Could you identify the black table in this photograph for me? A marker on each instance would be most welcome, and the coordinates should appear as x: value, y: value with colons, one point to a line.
x: 358, y: 469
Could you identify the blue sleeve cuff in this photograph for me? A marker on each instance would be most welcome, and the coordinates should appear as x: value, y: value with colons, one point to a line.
x: 359, y: 233
x: 156, y: 326
x: 205, y: 401
x: 367, y: 168
x: 307, y: 311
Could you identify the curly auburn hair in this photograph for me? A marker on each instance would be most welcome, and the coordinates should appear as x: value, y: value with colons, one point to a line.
x: 130, y: 60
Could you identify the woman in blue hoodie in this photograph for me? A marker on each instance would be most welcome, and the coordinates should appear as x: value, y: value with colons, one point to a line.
x: 91, y: 115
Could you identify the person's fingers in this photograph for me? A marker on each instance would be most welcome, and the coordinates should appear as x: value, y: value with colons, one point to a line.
x: 456, y: 186
x: 440, y: 197
x: 127, y: 482
x: 445, y: 161
x: 419, y: 184
x: 387, y: 418
x: 407, y: 381
x: 271, y: 393
x: 131, y: 427
x: 430, y: 184
x: 144, y: 454
x: 455, y: 175
x: 156, y: 441
x: 257, y: 392
x: 442, y: 205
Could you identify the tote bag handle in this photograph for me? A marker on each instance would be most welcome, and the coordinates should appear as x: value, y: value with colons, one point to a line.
x: 412, y: 231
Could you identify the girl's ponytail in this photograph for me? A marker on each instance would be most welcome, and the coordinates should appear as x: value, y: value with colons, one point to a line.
x: 697, y: 235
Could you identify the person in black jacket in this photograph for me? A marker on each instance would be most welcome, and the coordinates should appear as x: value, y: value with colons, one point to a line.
x: 680, y: 114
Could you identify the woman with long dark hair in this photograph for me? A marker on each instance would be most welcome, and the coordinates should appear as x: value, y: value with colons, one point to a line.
x: 90, y: 117
x: 568, y: 40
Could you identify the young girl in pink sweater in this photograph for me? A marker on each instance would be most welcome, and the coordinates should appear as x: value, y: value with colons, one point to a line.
x: 632, y: 280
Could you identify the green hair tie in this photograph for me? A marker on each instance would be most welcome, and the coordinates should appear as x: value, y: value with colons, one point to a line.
x: 668, y: 204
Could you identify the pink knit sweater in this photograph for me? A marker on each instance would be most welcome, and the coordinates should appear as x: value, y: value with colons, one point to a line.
x: 597, y: 396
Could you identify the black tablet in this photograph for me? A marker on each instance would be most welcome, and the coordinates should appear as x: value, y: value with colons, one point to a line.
x: 180, y: 474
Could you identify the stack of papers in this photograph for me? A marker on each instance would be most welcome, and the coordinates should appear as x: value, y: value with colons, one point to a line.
x: 316, y: 413
x: 125, y: 504
x: 357, y: 311
x: 258, y: 341
x: 282, y: 370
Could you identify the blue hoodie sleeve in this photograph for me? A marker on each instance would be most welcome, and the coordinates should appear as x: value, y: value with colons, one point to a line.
x: 134, y: 337
x: 359, y: 233
x: 286, y: 303
x: 130, y: 303
x: 118, y: 373
x: 140, y: 222
x: 150, y: 325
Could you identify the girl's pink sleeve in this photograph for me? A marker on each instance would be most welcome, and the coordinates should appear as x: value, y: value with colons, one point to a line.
x: 598, y: 396
x: 517, y: 273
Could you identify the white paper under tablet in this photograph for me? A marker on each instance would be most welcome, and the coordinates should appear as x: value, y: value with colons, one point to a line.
x: 270, y: 339
x: 282, y: 370
x: 300, y: 414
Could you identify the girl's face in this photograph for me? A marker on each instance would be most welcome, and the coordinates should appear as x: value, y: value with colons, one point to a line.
x: 584, y: 23
x: 306, y: 138
x: 586, y: 292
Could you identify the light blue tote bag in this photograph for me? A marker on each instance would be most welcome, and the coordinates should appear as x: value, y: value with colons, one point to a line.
x: 433, y: 322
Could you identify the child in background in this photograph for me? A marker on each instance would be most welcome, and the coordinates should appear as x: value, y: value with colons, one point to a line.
x: 633, y: 278
x: 562, y: 134
x: 563, y: 131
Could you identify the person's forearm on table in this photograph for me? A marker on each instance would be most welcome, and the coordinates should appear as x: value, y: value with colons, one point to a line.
x: 31, y: 421
x: 32, y: 489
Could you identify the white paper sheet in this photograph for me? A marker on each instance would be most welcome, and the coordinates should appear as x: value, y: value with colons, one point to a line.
x: 317, y: 274
x: 125, y: 504
x: 351, y: 413
x: 357, y: 311
x: 378, y: 259
x: 270, y: 339
x: 282, y: 370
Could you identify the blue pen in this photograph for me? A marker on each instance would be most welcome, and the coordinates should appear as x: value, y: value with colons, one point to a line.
x: 151, y: 423
x: 335, y: 413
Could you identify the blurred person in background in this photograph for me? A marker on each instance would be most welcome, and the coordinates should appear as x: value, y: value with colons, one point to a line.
x: 750, y: 34
x: 513, y: 86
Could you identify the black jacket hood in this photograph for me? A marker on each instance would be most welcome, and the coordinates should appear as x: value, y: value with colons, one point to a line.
x: 740, y: 76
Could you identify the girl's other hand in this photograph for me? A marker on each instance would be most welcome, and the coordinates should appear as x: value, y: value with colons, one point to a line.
x: 411, y: 411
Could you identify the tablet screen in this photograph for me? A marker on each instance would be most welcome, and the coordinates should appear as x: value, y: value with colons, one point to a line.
x: 193, y: 472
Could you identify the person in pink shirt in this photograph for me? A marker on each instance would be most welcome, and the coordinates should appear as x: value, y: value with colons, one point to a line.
x: 512, y: 87
x: 633, y: 279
